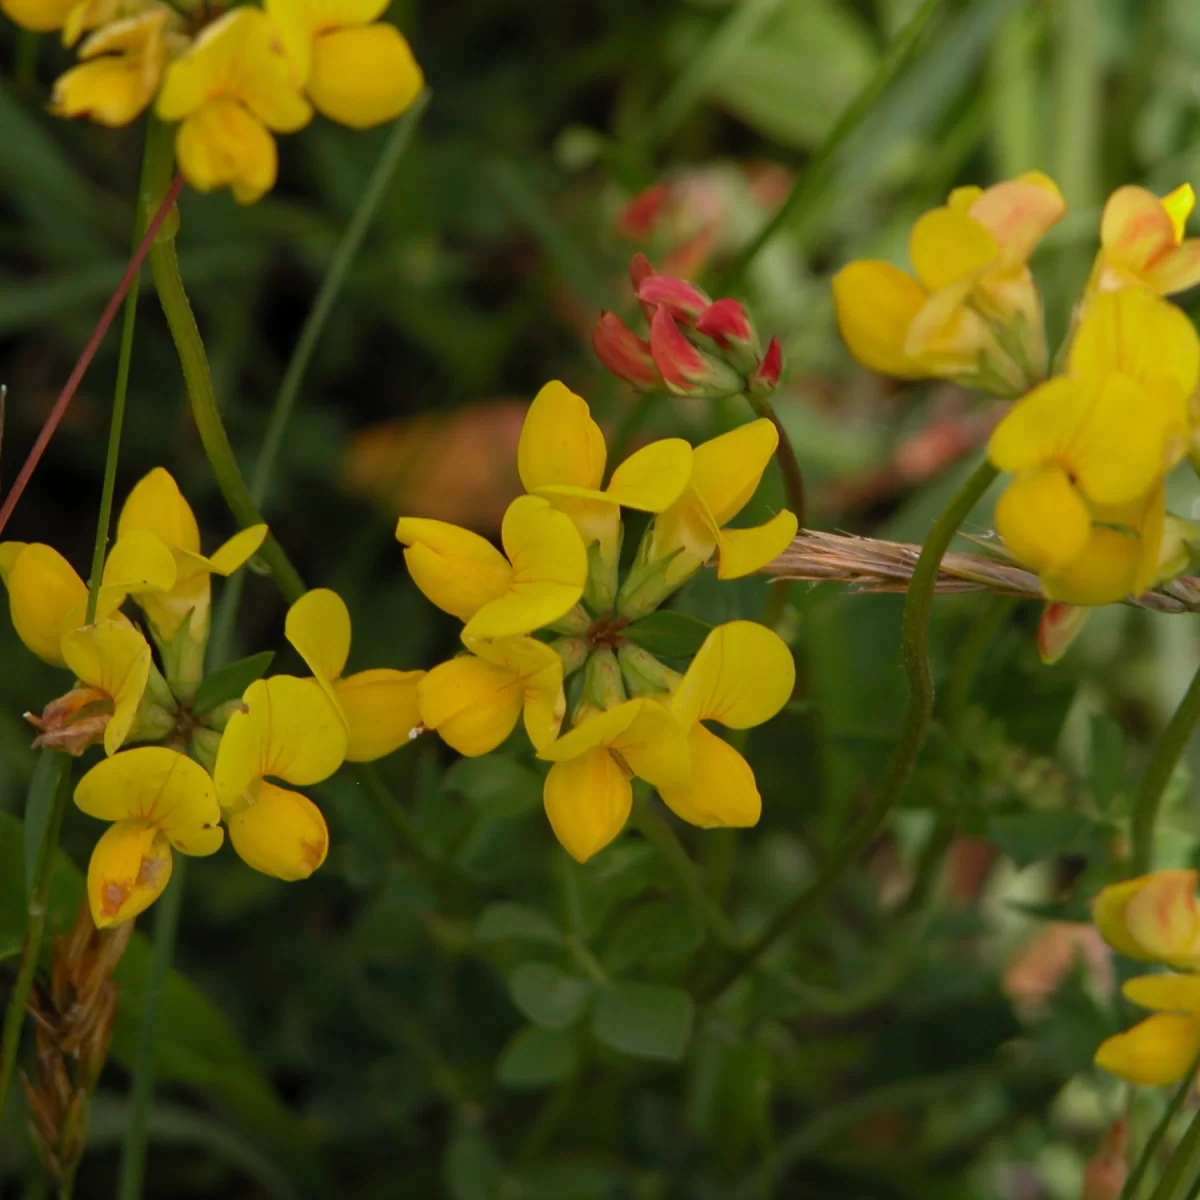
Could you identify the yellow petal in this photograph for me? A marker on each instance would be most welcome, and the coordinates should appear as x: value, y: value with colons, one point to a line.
x: 129, y: 867
x: 1018, y: 212
x: 1162, y: 917
x: 549, y: 569
x: 9, y: 553
x: 946, y: 244
x: 111, y: 91
x: 45, y: 598
x: 40, y: 16
x: 560, y: 443
x: 237, y: 550
x: 1040, y: 426
x: 947, y: 337
x: 301, y: 21
x: 741, y: 552
x: 1178, y: 206
x: 600, y: 730
x: 654, y: 746
x: 722, y: 791
x: 1135, y: 228
x: 472, y: 704
x: 588, y: 799
x: 876, y: 303
x: 727, y: 470
x: 1106, y: 571
x: 1108, y: 913
x: 652, y: 478
x: 112, y: 656
x: 457, y: 570
x: 538, y: 672
x: 223, y: 144
x: 1156, y: 1051
x: 155, y: 784
x: 742, y: 676
x: 281, y: 833
x: 156, y: 503
x: 1043, y: 520
x: 140, y: 561
x: 1165, y: 993
x: 380, y: 707
x: 1177, y: 270
x: 363, y: 77
x: 318, y: 626
x: 289, y: 729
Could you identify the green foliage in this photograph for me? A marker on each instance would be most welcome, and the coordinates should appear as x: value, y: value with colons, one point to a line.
x: 668, y: 634
x: 229, y: 682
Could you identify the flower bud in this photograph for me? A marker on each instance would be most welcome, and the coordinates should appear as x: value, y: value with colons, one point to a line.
x: 728, y: 324
x: 573, y: 651
x: 639, y: 270
x: 602, y: 685
x: 644, y: 675
x: 642, y: 213
x: 687, y: 370
x: 625, y: 354
x: 1058, y: 628
x: 683, y: 300
x: 573, y: 624
x: 1153, y: 918
x: 1104, y: 1176
x: 204, y: 746
x: 764, y: 379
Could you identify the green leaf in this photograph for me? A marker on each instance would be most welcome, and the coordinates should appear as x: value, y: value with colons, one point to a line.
x: 472, y: 1168
x: 547, y: 996
x: 536, y: 1058
x: 503, y: 922
x: 498, y: 785
x: 1029, y: 837
x: 668, y: 634
x: 229, y: 682
x: 644, y: 1020
x: 659, y: 931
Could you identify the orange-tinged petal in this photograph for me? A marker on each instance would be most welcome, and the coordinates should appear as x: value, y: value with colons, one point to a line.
x: 727, y: 470
x: 560, y: 443
x: 1177, y: 270
x: 223, y: 144
x: 876, y: 303
x: 45, y: 598
x: 114, y: 657
x: 1165, y: 993
x: 742, y: 676
x: 1162, y: 917
x: 721, y: 792
x: 281, y: 833
x: 473, y: 704
x: 1136, y: 228
x: 456, y: 569
x: 947, y: 244
x: 380, y: 707
x: 652, y: 478
x: 1018, y: 212
x: 741, y: 552
x: 1043, y: 520
x: 947, y: 337
x: 363, y: 76
x: 156, y: 503
x: 1156, y: 1051
x: 237, y: 550
x: 1108, y: 913
x: 318, y: 626
x: 588, y: 799
x: 129, y: 867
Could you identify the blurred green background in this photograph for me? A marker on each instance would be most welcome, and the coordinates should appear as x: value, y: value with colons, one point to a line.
x: 450, y: 1007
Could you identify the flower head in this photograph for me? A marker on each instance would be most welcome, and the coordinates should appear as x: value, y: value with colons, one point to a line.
x: 1160, y: 1049
x: 157, y: 799
x: 1153, y: 918
x: 1142, y: 243
x: 378, y: 707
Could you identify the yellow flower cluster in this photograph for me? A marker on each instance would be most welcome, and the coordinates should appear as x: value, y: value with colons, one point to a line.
x: 550, y: 626
x: 219, y: 756
x: 1089, y: 449
x: 1154, y: 918
x: 232, y: 83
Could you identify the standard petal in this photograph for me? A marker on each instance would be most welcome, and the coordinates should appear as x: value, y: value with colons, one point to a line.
x: 363, y: 76
x: 472, y: 704
x: 742, y: 676
x: 1165, y: 993
x: 1018, y: 212
x: 129, y: 867
x: 237, y: 550
x: 876, y: 303
x: 380, y: 707
x: 300, y: 21
x: 653, y: 478
x: 1162, y: 917
x: 549, y: 569
x: 946, y: 244
x: 654, y: 746
x: 1040, y: 426
x: 1043, y: 520
x: 588, y: 800
x: 560, y: 443
x: 44, y: 597
x: 154, y: 783
x: 456, y: 569
x: 113, y: 656
x: 282, y: 833
x: 1108, y: 914
x: 112, y: 90
x: 140, y: 561
x: 1135, y: 228
x: 1156, y: 1051
x: 156, y: 503
x: 741, y: 552
x: 722, y: 790
x: 727, y: 470
x: 318, y: 626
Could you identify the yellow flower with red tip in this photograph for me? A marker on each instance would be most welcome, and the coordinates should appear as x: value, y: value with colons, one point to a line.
x: 540, y: 580
x: 157, y: 799
x: 378, y: 707
x: 1153, y: 918
x: 1142, y: 242
x: 972, y: 312
x: 289, y: 730
x: 1090, y: 450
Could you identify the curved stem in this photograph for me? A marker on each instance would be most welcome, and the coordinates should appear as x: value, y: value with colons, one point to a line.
x: 1184, y: 1168
x: 785, y: 455
x: 1133, y: 1182
x: 1163, y: 761
x: 914, y: 647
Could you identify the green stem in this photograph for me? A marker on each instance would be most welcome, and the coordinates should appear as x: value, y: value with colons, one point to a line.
x: 662, y: 837
x: 785, y: 455
x: 1158, y: 1133
x: 35, y: 928
x: 808, y: 190
x: 1184, y: 1167
x: 141, y: 1096
x: 1163, y: 761
x: 914, y: 646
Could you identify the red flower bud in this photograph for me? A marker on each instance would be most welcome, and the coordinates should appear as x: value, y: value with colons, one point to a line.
x: 727, y: 322
x: 642, y: 213
x: 625, y: 354
x: 1059, y: 627
x: 764, y: 379
x: 686, y: 370
x: 639, y: 270
x: 685, y: 301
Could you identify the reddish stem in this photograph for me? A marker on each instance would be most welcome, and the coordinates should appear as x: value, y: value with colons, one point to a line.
x: 89, y: 352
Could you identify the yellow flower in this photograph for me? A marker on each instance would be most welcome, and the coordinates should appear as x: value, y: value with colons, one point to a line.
x: 356, y: 69
x: 587, y: 794
x: 726, y: 472
x: 1142, y: 242
x: 157, y: 798
x: 235, y: 83
x: 42, y: 16
x: 112, y: 657
x: 541, y: 580
x: 288, y: 730
x: 473, y: 701
x: 123, y: 64
x: 561, y: 457
x: 1161, y: 1048
x: 1153, y: 918
x: 742, y: 676
x: 47, y: 599
x: 378, y: 707
x: 972, y: 280
x: 1091, y: 448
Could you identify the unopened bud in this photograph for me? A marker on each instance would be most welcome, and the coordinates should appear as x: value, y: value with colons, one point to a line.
x: 644, y: 674
x: 687, y: 370
x: 764, y: 379
x: 728, y: 324
x: 642, y: 213
x: 639, y: 270
x: 1104, y: 1177
x: 573, y: 652
x: 602, y: 685
x: 625, y: 354
x: 204, y: 745
x: 574, y: 624
x: 683, y: 300
x: 1058, y: 628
